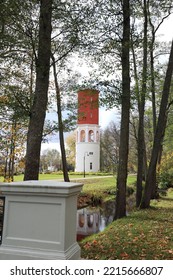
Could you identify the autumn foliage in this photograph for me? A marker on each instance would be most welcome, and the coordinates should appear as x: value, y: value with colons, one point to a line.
x: 144, y: 235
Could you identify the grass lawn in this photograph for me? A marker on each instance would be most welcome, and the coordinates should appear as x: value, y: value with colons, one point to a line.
x: 52, y: 176
x: 102, y: 187
x: 143, y: 235
x: 98, y: 187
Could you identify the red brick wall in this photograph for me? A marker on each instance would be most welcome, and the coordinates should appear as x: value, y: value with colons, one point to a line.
x: 88, y: 107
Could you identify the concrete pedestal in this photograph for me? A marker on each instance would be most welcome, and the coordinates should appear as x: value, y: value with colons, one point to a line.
x: 40, y: 220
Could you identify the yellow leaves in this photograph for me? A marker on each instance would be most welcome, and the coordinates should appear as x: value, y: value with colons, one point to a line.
x: 8, y: 180
x: 167, y: 162
x: 130, y: 225
x: 4, y: 99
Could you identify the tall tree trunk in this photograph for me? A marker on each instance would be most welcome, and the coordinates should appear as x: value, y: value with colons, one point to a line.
x: 153, y: 94
x: 12, y: 151
x: 38, y: 110
x: 120, y: 210
x: 141, y: 108
x: 160, y: 130
x: 6, y: 164
x: 153, y: 97
x: 154, y: 192
x: 153, y: 90
x: 60, y: 123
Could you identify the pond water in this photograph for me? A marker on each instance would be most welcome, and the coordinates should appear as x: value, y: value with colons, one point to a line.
x: 94, y: 219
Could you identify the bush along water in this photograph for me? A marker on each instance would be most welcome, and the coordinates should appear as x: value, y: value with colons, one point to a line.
x: 165, y: 173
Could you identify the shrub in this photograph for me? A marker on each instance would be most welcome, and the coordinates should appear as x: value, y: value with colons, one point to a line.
x: 166, y: 179
x: 165, y: 174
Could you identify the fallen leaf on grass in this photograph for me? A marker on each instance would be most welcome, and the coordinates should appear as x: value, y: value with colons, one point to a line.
x: 130, y: 225
x: 135, y: 239
x: 170, y: 251
x: 124, y: 255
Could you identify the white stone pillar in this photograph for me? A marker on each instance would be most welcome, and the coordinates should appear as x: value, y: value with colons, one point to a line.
x: 87, y: 133
x: 39, y: 220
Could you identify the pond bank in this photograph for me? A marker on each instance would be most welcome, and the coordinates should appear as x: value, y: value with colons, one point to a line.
x: 143, y: 235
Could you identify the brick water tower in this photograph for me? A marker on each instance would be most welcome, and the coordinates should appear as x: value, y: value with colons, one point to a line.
x: 88, y: 132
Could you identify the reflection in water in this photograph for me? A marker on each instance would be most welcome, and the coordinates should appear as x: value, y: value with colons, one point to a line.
x: 92, y: 220
x: 81, y: 219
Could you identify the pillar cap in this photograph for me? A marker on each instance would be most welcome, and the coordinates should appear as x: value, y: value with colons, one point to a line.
x: 42, y: 187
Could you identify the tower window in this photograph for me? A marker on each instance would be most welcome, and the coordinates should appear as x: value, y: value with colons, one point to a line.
x: 91, y: 165
x: 82, y: 136
x: 91, y: 136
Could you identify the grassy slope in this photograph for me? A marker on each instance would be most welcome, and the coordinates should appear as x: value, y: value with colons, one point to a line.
x: 145, y: 234
x: 102, y: 187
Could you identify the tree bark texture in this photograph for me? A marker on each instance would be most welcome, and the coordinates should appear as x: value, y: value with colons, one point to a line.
x: 60, y: 123
x: 141, y: 108
x: 38, y: 110
x: 120, y: 210
x: 160, y: 130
